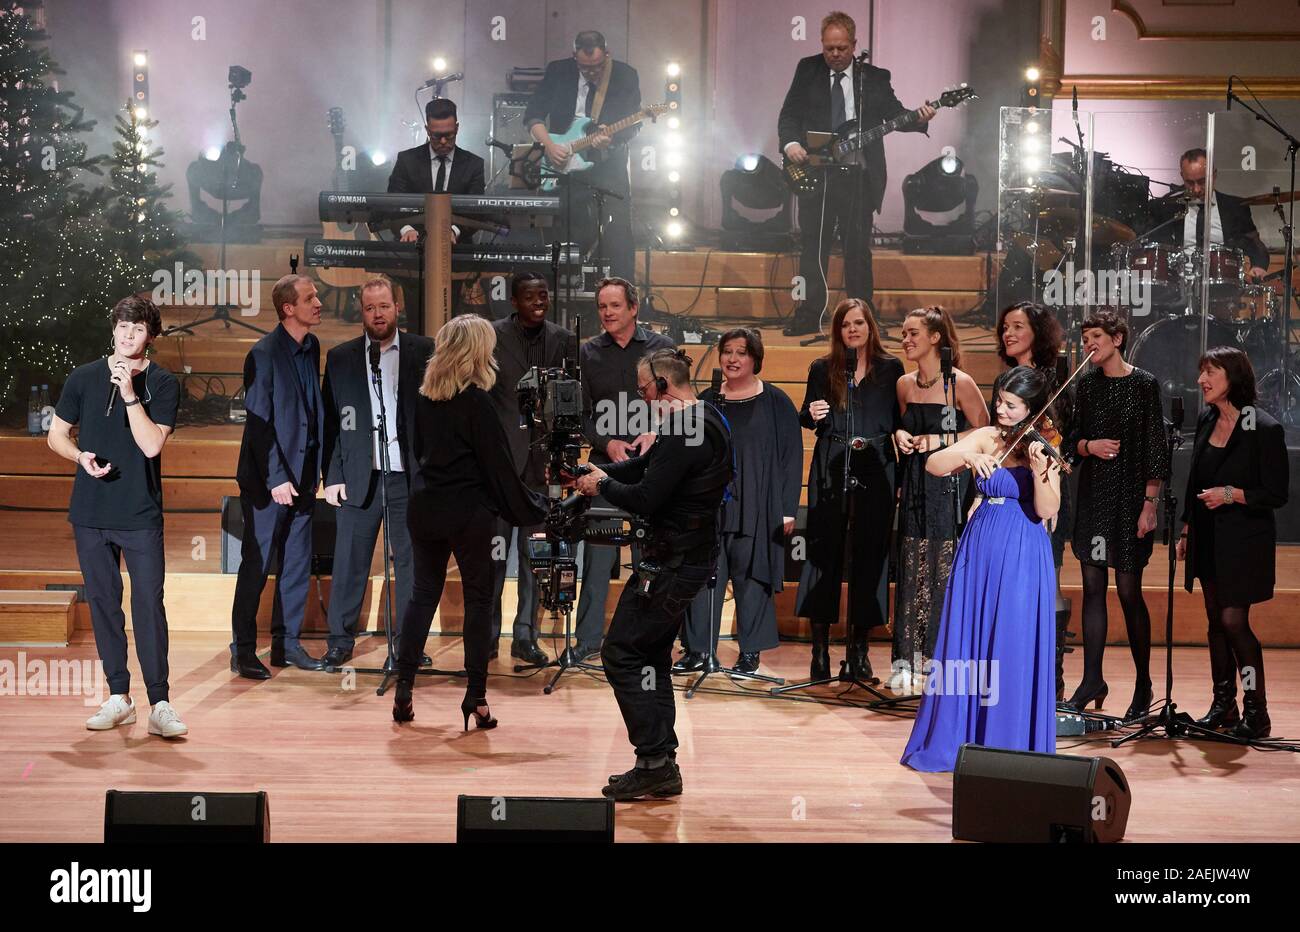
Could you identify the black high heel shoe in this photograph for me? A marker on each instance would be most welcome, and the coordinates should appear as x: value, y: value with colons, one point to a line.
x: 470, y: 706
x: 1141, y: 703
x: 1079, y: 701
x: 403, y: 707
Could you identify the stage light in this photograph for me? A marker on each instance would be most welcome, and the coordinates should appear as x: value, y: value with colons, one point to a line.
x: 756, y: 184
x: 675, y: 229
x: 1029, y: 91
x: 140, y: 78
x: 1032, y: 74
x: 1032, y: 163
x: 674, y: 122
x: 674, y: 159
x: 747, y: 163
x: 674, y: 140
x: 212, y: 153
x: 941, y: 190
x: 140, y: 59
x: 1031, y: 127
x: 378, y: 158
x: 950, y: 164
x: 673, y: 69
x: 674, y: 211
x: 439, y: 65
x: 1032, y: 145
x: 141, y: 113
x: 674, y: 177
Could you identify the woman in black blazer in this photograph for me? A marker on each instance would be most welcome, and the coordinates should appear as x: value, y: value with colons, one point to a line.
x: 464, y: 479
x: 1239, y: 474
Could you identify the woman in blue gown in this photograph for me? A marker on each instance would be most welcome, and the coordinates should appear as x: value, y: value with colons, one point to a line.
x: 993, y: 678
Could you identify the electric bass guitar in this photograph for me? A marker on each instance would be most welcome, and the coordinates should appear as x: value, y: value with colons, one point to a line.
x: 843, y: 147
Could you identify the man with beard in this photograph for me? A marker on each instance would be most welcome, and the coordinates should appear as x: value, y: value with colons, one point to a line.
x: 351, y: 455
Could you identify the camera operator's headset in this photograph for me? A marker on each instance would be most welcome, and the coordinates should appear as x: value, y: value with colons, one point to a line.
x: 661, y: 388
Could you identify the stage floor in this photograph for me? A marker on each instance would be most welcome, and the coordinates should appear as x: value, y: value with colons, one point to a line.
x: 755, y: 769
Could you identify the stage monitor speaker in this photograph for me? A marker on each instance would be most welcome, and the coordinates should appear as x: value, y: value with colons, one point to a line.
x: 189, y: 818
x: 324, y: 525
x: 1020, y: 796
x: 534, y: 819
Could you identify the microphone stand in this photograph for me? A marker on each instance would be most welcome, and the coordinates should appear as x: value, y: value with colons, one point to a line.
x: 1288, y: 233
x: 711, y: 663
x: 389, y: 669
x: 848, y: 672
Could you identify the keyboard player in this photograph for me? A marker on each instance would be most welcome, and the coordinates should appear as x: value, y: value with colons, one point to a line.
x: 439, y: 165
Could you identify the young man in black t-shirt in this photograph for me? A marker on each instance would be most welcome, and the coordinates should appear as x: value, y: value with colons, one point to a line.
x: 125, y: 409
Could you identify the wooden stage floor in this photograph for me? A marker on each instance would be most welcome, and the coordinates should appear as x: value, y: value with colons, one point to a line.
x: 756, y: 769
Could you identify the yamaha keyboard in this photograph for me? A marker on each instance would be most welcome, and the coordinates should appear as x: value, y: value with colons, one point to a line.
x: 382, y: 255
x: 362, y: 207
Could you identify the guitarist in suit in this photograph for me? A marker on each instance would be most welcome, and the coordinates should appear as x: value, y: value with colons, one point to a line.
x: 351, y: 458
x: 441, y: 165
x: 591, y: 84
x: 823, y: 97
x: 524, y: 339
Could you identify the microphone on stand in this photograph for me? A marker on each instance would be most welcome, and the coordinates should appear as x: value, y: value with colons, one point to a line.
x: 1230, y: 77
x: 445, y: 79
x: 1176, y: 414
x: 716, y: 387
x: 850, y: 363
x: 493, y: 142
x: 374, y: 356
x: 945, y: 363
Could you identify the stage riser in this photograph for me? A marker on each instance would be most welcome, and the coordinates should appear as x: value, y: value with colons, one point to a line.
x: 35, y: 616
x: 201, y: 602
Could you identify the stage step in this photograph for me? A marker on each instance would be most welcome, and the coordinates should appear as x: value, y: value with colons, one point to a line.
x: 31, y: 617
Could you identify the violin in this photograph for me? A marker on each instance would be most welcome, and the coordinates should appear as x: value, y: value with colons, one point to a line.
x: 1025, y: 433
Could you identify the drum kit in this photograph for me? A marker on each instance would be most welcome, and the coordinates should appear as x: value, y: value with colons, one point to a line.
x: 1165, y: 333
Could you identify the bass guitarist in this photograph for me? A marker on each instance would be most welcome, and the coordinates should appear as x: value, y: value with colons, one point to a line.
x: 823, y: 97
x: 591, y: 84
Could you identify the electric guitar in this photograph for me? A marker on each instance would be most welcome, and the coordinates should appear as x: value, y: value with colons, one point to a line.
x: 539, y: 171
x: 843, y: 146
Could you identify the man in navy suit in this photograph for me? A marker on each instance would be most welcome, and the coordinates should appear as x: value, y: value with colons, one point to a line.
x: 438, y: 165
x: 352, y: 463
x: 591, y: 84
x: 279, y: 469
x: 823, y: 97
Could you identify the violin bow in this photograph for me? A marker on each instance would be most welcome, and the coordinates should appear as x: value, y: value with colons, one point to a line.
x: 1029, y: 424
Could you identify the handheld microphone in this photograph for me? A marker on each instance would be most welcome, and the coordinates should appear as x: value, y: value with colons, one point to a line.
x: 1230, y: 77
x: 112, y: 397
x: 445, y: 79
x: 945, y: 363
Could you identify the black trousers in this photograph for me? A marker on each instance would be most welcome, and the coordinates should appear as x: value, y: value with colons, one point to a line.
x: 470, y: 541
x: 637, y: 655
x: 354, y: 549
x: 525, y: 625
x: 755, y: 609
x: 838, y: 216
x: 100, y: 551
x: 270, y: 530
x: 616, y: 234
x: 598, y: 562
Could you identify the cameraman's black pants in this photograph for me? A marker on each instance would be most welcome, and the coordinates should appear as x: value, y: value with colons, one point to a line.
x: 637, y: 655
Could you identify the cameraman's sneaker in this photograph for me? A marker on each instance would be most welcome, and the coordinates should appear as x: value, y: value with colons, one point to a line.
x: 118, y: 710
x: 640, y: 782
x: 164, y: 721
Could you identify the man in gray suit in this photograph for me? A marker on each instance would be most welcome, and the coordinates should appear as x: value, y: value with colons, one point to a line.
x: 524, y: 339
x: 351, y: 459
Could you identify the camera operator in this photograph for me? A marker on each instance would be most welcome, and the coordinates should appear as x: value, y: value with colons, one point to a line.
x: 678, y: 487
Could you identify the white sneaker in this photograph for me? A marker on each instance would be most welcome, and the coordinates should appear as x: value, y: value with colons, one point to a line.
x: 164, y: 721
x: 118, y: 710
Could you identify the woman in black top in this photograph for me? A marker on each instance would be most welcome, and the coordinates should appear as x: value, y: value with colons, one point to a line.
x: 768, y: 448
x: 929, y: 506
x: 463, y: 481
x: 1238, y: 475
x: 862, y: 524
x: 1119, y: 433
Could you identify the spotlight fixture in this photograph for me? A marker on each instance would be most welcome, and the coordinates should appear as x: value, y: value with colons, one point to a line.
x: 757, y: 185
x: 947, y: 196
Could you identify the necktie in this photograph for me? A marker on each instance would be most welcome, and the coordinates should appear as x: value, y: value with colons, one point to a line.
x: 1200, y: 226
x: 837, y: 102
x: 441, y: 183
x: 591, y: 98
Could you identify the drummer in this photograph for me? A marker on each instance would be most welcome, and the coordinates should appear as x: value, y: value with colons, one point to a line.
x: 1231, y: 224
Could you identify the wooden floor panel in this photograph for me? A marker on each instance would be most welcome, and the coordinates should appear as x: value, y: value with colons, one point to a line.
x: 755, y: 769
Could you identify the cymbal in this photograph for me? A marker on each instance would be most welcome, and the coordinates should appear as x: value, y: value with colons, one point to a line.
x: 1270, y: 198
x: 1105, y: 231
x: 1045, y: 252
x: 1042, y: 194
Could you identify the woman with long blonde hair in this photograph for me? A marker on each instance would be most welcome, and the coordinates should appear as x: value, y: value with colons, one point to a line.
x: 463, y: 479
x: 861, y: 420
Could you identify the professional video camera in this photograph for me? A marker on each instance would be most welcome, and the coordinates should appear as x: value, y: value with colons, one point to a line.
x: 551, y: 408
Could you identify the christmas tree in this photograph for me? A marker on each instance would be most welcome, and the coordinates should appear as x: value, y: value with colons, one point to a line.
x: 142, y: 226
x: 65, y: 255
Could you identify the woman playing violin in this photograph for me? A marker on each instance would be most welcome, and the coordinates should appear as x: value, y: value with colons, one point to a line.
x: 992, y: 681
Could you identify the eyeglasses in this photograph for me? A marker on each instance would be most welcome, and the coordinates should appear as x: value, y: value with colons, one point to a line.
x: 641, y: 389
x: 451, y: 135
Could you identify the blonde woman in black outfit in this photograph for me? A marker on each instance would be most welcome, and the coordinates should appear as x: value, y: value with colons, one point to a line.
x: 464, y: 481
x: 1238, y: 475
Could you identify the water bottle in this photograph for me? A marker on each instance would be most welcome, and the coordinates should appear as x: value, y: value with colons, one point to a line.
x: 34, y: 414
